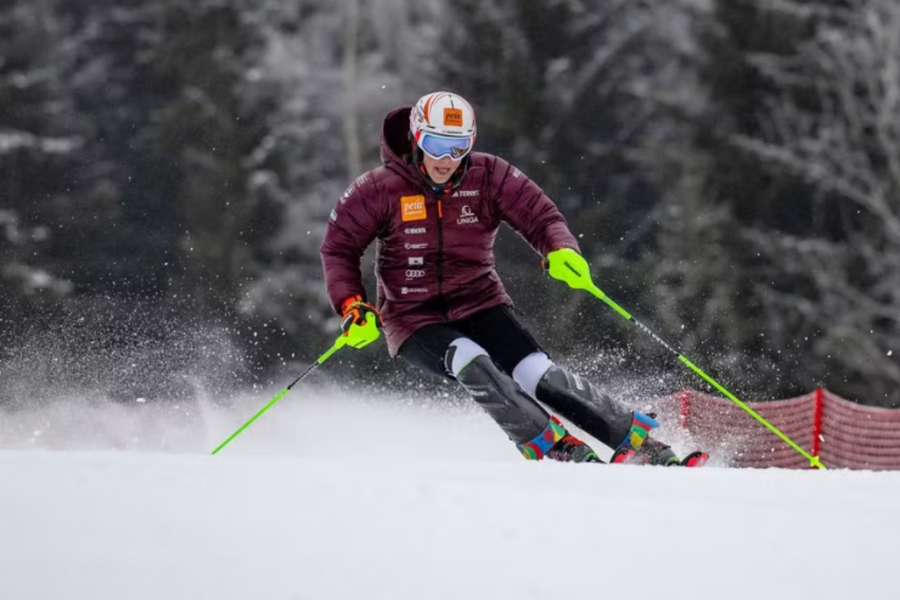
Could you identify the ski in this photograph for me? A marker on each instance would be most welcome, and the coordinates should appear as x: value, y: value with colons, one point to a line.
x: 695, y: 459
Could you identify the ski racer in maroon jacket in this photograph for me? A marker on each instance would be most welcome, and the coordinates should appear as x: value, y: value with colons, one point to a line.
x: 434, y: 208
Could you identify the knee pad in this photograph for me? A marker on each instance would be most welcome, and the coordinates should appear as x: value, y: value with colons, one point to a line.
x: 530, y: 370
x: 460, y: 353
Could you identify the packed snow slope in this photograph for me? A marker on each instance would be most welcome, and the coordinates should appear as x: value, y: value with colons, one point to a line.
x: 332, y: 496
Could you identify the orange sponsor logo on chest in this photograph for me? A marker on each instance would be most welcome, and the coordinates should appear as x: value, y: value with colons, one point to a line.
x: 412, y: 208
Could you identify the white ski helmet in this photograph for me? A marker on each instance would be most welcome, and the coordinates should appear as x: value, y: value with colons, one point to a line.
x: 443, y: 124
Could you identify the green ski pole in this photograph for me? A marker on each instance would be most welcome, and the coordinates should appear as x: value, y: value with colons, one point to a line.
x: 359, y: 336
x: 571, y: 268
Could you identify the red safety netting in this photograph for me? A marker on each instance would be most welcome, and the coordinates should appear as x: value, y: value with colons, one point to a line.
x: 844, y: 434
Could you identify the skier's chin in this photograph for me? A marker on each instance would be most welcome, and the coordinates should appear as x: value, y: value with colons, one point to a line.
x: 441, y: 175
x: 440, y: 171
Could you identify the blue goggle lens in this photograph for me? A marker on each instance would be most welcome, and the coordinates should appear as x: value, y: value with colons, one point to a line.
x: 438, y: 147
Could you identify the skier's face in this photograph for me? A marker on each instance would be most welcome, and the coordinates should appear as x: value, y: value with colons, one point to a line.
x: 440, y: 170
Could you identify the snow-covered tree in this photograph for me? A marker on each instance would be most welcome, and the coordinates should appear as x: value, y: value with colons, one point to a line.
x: 39, y: 144
x: 834, y: 124
x: 776, y: 256
x: 593, y: 101
x: 335, y: 68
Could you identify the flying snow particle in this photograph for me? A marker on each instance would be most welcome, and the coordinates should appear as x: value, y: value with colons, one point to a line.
x: 890, y: 352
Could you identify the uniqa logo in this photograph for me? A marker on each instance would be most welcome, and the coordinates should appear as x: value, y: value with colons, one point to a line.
x: 466, y: 216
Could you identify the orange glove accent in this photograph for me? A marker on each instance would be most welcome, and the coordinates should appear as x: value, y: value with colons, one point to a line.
x: 353, y: 312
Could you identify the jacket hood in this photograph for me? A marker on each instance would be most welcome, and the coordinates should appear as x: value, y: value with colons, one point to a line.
x: 395, y: 146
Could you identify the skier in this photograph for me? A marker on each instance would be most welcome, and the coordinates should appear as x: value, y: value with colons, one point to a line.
x: 435, y: 207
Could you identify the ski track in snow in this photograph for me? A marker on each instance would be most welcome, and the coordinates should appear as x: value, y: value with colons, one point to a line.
x: 335, y: 495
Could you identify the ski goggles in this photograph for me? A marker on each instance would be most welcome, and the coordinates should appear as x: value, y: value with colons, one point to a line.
x: 439, y: 146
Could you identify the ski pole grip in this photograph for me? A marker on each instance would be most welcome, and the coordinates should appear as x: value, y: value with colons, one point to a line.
x: 571, y: 268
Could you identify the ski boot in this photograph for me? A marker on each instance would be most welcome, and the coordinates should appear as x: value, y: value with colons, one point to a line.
x: 641, y: 425
x: 654, y: 452
x: 696, y: 458
x: 558, y: 444
x: 571, y: 449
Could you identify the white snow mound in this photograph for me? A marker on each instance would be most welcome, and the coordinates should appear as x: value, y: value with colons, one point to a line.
x: 331, y: 497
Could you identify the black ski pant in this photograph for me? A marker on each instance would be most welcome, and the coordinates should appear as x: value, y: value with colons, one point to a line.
x: 488, y: 377
x: 496, y: 330
x: 507, y: 342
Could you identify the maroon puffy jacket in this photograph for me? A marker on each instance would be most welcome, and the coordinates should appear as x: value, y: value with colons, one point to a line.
x: 435, y: 254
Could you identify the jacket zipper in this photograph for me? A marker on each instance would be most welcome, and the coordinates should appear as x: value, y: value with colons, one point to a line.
x: 440, y: 258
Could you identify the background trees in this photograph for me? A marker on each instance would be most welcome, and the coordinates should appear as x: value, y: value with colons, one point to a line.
x: 731, y: 167
x: 831, y: 131
x: 799, y: 157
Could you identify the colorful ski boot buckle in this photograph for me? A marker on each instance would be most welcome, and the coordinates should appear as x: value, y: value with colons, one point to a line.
x: 541, y: 444
x: 641, y: 425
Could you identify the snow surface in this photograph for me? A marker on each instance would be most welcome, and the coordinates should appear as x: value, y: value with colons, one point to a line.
x: 334, y: 496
